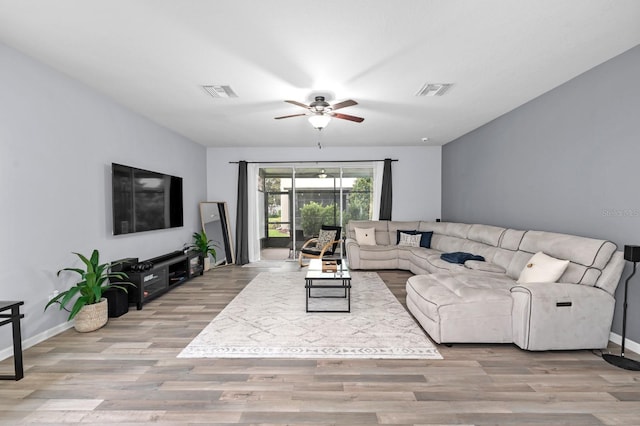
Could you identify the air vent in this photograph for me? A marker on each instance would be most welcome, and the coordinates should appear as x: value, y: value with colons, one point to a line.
x: 219, y: 91
x: 434, y: 89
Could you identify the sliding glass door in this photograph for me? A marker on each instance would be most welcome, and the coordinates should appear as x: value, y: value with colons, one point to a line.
x: 275, y: 200
x: 299, y: 199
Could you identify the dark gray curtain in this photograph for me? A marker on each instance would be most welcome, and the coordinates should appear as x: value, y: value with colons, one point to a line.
x: 242, y: 216
x: 386, y: 197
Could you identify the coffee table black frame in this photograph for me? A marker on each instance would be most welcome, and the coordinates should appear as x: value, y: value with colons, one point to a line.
x: 340, y: 279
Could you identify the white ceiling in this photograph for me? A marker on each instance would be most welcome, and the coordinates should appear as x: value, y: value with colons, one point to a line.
x: 153, y: 56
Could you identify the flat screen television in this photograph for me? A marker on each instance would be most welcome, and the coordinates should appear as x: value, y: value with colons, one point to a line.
x: 144, y: 200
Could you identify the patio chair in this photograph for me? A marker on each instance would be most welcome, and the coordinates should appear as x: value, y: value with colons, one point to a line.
x: 323, y: 246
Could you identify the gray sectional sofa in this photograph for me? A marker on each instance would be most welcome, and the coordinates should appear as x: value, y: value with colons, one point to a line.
x: 481, y: 301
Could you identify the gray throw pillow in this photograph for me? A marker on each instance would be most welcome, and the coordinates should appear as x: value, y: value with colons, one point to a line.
x: 411, y: 240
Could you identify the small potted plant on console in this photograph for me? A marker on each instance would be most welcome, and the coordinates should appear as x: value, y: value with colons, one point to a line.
x: 89, y: 309
x: 205, y: 246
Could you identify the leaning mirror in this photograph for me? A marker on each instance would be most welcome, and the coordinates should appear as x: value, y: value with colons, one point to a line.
x: 215, y: 222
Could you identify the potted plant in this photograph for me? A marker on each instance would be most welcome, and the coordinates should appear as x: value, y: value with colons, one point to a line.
x: 90, y: 308
x: 203, y: 245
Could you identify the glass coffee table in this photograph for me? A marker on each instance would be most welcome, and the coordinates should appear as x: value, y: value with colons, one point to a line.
x: 317, y: 279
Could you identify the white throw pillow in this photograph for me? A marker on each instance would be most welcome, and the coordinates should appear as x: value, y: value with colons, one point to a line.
x: 542, y: 268
x: 411, y: 240
x: 366, y: 236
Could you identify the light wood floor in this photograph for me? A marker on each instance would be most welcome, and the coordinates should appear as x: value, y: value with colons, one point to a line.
x: 128, y: 373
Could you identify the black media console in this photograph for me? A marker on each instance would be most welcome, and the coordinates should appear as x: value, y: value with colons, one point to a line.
x: 161, y: 274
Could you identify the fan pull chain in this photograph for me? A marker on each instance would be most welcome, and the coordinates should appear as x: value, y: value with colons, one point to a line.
x: 319, y: 138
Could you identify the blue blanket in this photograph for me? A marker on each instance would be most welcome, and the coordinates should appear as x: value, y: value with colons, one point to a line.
x: 460, y: 257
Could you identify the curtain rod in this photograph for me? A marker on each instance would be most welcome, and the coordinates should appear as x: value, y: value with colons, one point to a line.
x: 309, y: 161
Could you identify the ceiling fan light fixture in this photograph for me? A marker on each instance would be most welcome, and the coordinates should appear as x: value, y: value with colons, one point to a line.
x: 319, y: 121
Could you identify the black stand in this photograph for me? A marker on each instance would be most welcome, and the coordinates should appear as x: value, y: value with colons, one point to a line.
x: 620, y: 361
x: 14, y: 319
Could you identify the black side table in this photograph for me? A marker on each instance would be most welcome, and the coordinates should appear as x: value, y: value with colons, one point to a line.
x: 13, y: 318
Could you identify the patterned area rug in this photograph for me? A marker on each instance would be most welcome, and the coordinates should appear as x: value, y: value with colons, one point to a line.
x: 268, y: 320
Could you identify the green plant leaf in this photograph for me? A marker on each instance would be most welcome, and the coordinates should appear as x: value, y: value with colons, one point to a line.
x: 203, y: 245
x: 55, y: 300
x: 68, y: 295
x: 80, y: 302
x: 95, y: 256
x: 76, y: 270
x: 97, y: 294
x: 94, y: 280
x: 83, y: 258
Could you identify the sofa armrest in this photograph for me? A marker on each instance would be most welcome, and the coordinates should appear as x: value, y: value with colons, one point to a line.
x: 311, y: 241
x: 353, y: 253
x: 561, y: 316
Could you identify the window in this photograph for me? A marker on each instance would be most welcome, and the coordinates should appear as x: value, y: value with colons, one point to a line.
x: 304, y: 198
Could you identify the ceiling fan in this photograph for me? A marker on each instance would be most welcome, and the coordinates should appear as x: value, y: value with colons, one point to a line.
x: 321, y: 112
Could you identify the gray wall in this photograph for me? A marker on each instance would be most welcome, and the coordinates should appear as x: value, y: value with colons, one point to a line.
x: 58, y: 139
x: 567, y: 161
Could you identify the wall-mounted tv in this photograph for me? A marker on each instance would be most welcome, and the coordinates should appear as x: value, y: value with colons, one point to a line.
x: 144, y: 200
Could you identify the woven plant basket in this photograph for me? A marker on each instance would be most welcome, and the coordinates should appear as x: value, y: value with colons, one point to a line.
x: 92, y: 317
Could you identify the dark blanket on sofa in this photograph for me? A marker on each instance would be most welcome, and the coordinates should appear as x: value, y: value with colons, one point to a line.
x: 460, y: 257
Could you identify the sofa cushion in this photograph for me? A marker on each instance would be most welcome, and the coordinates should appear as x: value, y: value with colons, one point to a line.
x: 395, y: 226
x: 486, y: 234
x: 609, y: 277
x: 378, y: 252
x: 447, y: 243
x: 418, y: 256
x: 366, y: 236
x: 380, y: 226
x: 480, y: 249
x: 482, y: 266
x: 501, y: 257
x: 542, y: 268
x: 582, y: 250
x: 460, y: 230
x: 409, y: 239
x: 511, y: 239
x: 436, y: 264
x: 435, y: 227
x: 466, y: 307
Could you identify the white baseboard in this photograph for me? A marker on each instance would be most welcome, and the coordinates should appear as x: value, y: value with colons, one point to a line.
x: 628, y: 344
x: 32, y: 341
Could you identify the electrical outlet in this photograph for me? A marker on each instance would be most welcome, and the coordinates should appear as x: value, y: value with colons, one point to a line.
x: 53, y: 294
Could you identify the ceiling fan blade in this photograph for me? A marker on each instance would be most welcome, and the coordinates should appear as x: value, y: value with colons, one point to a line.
x: 347, y: 103
x: 298, y: 104
x: 348, y: 117
x: 288, y: 116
